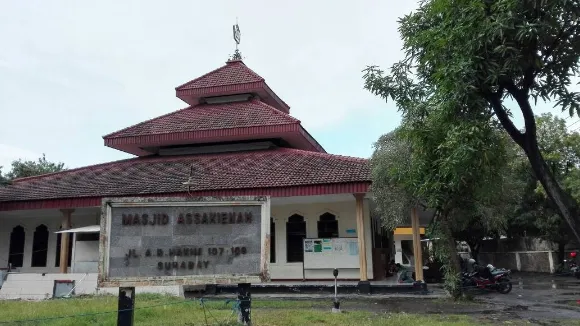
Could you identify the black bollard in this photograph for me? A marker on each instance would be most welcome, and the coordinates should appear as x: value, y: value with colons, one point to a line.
x: 126, y: 306
x: 245, y: 298
x: 336, y: 303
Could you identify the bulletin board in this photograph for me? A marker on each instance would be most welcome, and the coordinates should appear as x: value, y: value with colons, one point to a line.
x: 331, y: 253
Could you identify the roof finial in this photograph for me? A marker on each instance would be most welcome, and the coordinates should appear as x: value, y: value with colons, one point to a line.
x: 237, y: 34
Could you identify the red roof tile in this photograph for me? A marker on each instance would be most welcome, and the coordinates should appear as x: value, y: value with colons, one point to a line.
x: 234, y: 72
x: 210, y: 117
x: 280, y: 167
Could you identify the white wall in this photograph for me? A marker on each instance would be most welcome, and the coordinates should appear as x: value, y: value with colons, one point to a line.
x: 30, y: 286
x: 399, y: 250
x: 52, y: 219
x: 346, y: 215
x: 85, y: 257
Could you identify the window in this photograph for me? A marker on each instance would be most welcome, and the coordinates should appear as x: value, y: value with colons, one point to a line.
x: 327, y: 226
x: 70, y: 245
x: 16, y: 251
x: 39, y: 246
x: 272, y: 241
x: 295, y: 234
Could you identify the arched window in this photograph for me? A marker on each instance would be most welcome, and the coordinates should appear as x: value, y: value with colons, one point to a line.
x: 70, y: 245
x: 295, y: 234
x: 16, y: 250
x: 327, y: 226
x: 39, y: 246
x: 272, y: 241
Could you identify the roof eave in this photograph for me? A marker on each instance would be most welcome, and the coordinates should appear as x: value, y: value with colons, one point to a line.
x: 134, y: 144
x: 288, y: 191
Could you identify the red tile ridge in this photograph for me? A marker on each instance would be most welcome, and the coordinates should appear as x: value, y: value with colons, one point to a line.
x: 254, y: 101
x: 112, y: 135
x: 325, y: 155
x: 260, y: 78
x: 273, y: 109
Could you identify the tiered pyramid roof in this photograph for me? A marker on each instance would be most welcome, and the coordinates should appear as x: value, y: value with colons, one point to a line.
x: 229, y: 107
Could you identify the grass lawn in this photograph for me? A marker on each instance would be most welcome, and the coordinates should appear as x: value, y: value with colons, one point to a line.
x: 163, y: 310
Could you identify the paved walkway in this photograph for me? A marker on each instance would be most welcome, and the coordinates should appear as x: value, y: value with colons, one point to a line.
x: 539, y: 297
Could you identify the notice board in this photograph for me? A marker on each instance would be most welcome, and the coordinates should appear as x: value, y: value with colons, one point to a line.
x: 331, y: 253
x: 183, y: 241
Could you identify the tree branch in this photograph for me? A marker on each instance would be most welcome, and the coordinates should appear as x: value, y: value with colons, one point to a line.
x: 522, y: 98
x: 557, y: 41
x: 504, y: 119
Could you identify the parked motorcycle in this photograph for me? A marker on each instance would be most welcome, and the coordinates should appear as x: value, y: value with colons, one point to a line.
x: 570, y: 266
x: 497, y: 279
x: 573, y: 268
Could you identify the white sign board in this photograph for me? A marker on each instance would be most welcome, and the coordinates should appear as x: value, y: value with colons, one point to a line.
x: 331, y: 253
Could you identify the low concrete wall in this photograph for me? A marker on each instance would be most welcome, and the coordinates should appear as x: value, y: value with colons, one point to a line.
x: 522, y: 254
x: 499, y: 259
x: 33, y: 286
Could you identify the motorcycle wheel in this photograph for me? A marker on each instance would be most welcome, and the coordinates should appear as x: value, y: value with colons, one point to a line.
x: 504, y: 286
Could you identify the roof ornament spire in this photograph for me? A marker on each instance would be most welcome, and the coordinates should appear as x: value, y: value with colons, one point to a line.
x: 237, y: 35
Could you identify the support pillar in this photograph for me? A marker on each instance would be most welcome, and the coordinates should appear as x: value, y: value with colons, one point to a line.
x: 364, y: 284
x: 417, y: 251
x: 66, y: 224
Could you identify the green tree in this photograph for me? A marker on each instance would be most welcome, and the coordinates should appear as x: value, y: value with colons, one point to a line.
x: 22, y: 169
x: 457, y: 172
x: 538, y: 215
x: 469, y: 57
x: 3, y: 179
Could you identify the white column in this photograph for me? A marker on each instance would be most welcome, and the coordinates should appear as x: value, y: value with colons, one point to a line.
x: 51, y: 256
x: 551, y: 262
x: 311, y: 226
x: 280, y: 240
x: 28, y: 240
x: 4, y: 247
x: 398, y: 250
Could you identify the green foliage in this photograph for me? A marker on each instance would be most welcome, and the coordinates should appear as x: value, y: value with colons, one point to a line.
x: 23, y: 169
x: 3, y: 180
x: 470, y: 49
x: 462, y: 61
x: 389, y: 164
x: 538, y: 215
x: 458, y: 172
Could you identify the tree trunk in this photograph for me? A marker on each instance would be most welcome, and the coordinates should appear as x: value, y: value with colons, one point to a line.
x: 451, y: 264
x: 565, y: 204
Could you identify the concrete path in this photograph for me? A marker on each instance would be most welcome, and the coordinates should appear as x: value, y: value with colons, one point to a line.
x: 539, y: 297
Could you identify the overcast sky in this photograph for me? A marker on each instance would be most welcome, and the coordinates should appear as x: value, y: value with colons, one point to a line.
x: 73, y: 71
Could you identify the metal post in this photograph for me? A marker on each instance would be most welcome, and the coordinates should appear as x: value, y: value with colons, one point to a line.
x: 336, y: 303
x: 245, y: 298
x: 126, y: 306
